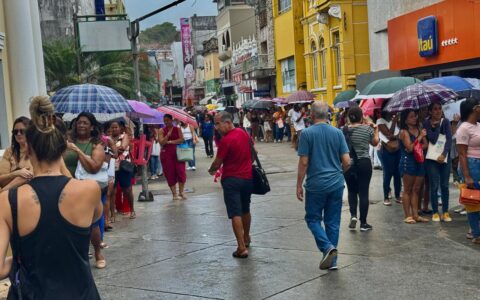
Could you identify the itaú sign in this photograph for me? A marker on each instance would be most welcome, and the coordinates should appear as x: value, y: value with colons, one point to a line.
x: 427, y: 36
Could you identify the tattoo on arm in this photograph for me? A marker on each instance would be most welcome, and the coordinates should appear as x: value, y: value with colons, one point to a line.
x: 62, y: 196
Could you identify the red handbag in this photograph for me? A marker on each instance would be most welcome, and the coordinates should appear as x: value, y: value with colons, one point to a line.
x: 418, y: 152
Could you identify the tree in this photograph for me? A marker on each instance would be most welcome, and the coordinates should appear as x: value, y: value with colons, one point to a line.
x: 165, y: 33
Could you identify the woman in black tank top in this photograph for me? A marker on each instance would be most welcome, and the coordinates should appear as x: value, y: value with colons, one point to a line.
x: 50, y: 220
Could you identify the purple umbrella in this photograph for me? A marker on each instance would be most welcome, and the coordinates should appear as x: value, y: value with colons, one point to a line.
x: 140, y: 110
x: 300, y: 97
x: 419, y: 95
x: 157, y: 118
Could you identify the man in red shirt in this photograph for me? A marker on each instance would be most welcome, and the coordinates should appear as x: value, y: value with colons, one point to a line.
x: 234, y: 153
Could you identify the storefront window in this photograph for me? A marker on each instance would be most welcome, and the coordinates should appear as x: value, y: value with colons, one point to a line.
x: 337, y: 56
x: 284, y: 5
x: 323, y: 63
x: 288, y: 75
x: 314, y: 65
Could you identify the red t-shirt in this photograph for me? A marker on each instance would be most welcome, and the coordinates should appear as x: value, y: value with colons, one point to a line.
x: 234, y: 150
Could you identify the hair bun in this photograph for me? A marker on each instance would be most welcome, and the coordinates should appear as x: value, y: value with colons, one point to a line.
x: 42, y: 114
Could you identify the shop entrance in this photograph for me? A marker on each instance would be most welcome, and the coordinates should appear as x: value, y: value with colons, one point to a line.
x: 465, y: 72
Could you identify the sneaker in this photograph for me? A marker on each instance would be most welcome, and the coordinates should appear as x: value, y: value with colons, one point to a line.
x: 440, y: 203
x: 333, y: 268
x: 194, y: 168
x: 435, y: 218
x: 446, y: 217
x: 353, y: 223
x: 328, y: 258
x: 160, y: 175
x: 463, y: 213
x: 189, y: 168
x: 469, y: 236
x: 365, y: 227
x: 459, y: 210
x: 476, y: 240
x: 387, y: 202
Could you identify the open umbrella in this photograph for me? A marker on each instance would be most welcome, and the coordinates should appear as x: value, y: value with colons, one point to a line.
x: 89, y: 98
x: 386, y: 87
x: 178, y: 114
x: 101, y: 117
x: 345, y: 96
x: 300, y: 97
x: 140, y: 110
x: 464, y: 88
x: 420, y: 95
x: 156, y: 119
x: 368, y: 106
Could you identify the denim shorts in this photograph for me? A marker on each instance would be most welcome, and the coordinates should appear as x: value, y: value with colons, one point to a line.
x: 237, y: 194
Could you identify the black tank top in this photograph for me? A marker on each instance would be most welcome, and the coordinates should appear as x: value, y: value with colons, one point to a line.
x: 55, y: 253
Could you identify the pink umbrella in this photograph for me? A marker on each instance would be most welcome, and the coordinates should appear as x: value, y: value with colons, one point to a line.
x: 179, y: 115
x: 140, y: 110
x: 300, y: 97
x: 368, y: 106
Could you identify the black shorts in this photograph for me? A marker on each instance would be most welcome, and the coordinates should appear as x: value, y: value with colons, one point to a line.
x: 236, y: 194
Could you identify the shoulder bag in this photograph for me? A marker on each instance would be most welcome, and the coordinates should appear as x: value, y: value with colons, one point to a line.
x: 352, y: 172
x: 418, y: 152
x: 20, y: 288
x: 469, y: 196
x: 184, y: 152
x: 101, y: 176
x: 436, y: 150
x: 261, y: 186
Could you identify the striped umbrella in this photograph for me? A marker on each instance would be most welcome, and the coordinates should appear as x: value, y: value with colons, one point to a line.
x: 89, y: 98
x: 178, y: 114
x: 418, y: 96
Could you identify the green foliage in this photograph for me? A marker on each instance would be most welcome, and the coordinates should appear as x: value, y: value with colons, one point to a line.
x: 112, y: 69
x: 165, y: 33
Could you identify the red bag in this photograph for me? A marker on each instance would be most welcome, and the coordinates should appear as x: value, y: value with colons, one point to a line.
x: 418, y: 152
x: 469, y: 196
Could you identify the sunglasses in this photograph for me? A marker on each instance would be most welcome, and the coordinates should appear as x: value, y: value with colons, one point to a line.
x: 18, y: 131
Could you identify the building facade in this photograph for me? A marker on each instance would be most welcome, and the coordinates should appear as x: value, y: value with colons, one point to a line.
x: 289, y: 46
x: 114, y: 7
x: 211, y: 68
x: 336, y: 45
x: 235, y: 21
x: 22, y: 73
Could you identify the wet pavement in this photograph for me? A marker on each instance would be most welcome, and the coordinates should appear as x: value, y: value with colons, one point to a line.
x: 182, y: 249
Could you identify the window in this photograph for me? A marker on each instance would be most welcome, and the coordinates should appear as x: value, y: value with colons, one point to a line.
x: 338, y: 59
x: 323, y: 64
x: 284, y: 5
x: 313, y: 55
x: 288, y: 75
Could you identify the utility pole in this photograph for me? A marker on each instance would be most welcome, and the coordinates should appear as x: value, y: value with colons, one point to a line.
x: 133, y: 33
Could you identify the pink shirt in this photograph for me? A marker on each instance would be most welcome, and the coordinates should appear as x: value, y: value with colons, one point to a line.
x: 469, y: 134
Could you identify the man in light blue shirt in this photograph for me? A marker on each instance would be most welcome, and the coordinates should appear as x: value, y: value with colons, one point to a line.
x: 324, y: 156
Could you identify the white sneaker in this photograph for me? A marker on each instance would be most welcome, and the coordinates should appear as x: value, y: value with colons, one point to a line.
x: 189, y: 168
x: 161, y: 174
x: 194, y: 168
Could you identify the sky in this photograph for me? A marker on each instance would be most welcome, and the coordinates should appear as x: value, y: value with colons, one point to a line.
x: 138, y: 8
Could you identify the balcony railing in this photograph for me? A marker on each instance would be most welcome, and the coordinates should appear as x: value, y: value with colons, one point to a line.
x: 259, y: 62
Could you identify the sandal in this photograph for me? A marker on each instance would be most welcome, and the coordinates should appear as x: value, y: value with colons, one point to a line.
x: 100, y: 264
x: 176, y: 198
x: 409, y: 220
x: 240, y: 255
x: 183, y: 197
x: 422, y: 220
x: 104, y: 245
x: 133, y: 215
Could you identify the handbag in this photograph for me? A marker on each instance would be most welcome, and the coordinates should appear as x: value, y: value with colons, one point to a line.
x: 352, y: 172
x: 101, y: 176
x: 469, y: 196
x: 436, y: 150
x: 127, y: 166
x: 184, y: 152
x: 418, y: 152
x: 20, y: 287
x: 261, y: 186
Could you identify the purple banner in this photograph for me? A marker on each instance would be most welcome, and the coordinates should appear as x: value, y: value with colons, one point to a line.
x: 188, y: 72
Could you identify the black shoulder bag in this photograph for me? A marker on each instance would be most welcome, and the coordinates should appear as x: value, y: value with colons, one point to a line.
x: 20, y: 289
x: 352, y: 172
x: 260, y: 180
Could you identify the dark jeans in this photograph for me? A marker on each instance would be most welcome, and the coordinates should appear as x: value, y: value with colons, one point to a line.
x: 278, y: 133
x: 358, y: 189
x: 438, y: 176
x: 288, y: 132
x: 208, y: 145
x: 154, y: 162
x: 391, y: 168
x: 192, y: 145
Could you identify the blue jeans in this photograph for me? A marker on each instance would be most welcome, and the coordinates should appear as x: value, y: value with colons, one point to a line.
x: 474, y: 217
x: 191, y: 144
x: 326, y: 207
x: 438, y: 176
x: 278, y: 133
x: 390, y: 163
x: 288, y: 132
x: 154, y: 162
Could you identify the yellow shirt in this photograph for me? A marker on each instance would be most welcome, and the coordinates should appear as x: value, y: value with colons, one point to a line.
x: 8, y: 164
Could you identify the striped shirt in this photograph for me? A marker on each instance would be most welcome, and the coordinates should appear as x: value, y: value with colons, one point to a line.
x: 361, y: 137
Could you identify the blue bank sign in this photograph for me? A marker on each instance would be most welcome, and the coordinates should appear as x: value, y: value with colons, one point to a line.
x: 427, y: 36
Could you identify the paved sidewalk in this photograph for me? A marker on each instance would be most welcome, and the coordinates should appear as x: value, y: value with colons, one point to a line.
x: 182, y: 249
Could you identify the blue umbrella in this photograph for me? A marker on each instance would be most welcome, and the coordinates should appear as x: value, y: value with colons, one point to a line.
x: 454, y: 83
x: 89, y: 98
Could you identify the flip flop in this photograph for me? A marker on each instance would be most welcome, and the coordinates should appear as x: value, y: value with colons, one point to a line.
x: 101, y: 264
x: 133, y: 215
x: 183, y: 197
x: 422, y: 220
x: 240, y: 255
x: 409, y: 220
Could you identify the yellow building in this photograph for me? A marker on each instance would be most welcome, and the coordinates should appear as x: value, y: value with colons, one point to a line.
x: 336, y: 45
x: 289, y: 47
x: 114, y: 7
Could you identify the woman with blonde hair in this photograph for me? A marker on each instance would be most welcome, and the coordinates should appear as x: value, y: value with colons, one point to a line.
x: 48, y: 220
